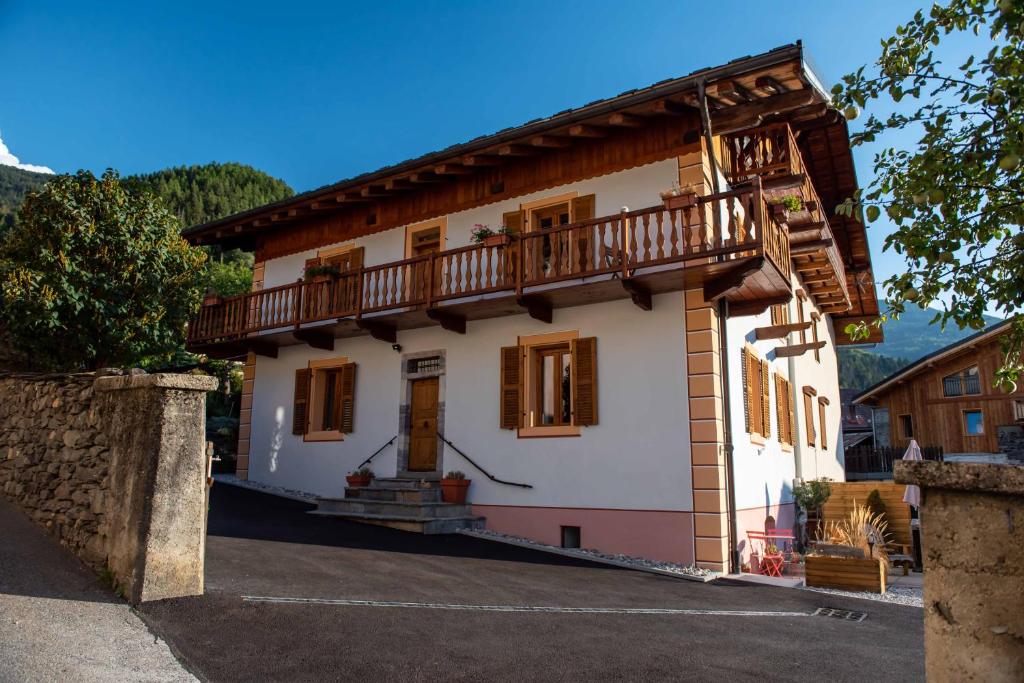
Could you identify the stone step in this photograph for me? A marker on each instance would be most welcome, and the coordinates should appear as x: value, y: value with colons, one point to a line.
x: 420, y: 525
x: 373, y: 492
x: 417, y: 510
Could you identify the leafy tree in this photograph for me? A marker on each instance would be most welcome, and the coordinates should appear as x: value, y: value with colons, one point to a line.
x: 94, y: 274
x: 230, y: 273
x: 859, y: 369
x: 956, y: 199
x: 14, y: 184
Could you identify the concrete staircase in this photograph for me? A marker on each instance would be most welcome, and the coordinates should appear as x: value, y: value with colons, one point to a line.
x: 406, y: 504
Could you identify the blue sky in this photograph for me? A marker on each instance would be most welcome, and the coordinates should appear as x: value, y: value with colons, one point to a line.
x: 314, y: 92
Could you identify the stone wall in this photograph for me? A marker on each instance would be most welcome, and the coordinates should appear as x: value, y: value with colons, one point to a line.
x: 114, y: 467
x: 972, y: 535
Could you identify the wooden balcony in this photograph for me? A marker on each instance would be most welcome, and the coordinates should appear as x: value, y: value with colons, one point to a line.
x: 730, y: 244
x: 770, y: 153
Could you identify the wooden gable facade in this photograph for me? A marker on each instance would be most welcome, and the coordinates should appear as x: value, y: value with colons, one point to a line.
x: 949, y: 400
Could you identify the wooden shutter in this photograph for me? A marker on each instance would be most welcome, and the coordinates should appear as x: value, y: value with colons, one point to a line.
x: 780, y: 419
x: 766, y: 406
x: 791, y: 423
x: 748, y: 395
x: 511, y: 387
x: 583, y: 208
x: 300, y: 404
x: 514, y: 220
x: 347, y: 397
x: 584, y: 381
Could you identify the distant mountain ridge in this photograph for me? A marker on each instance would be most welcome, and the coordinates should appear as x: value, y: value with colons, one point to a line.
x: 15, y: 183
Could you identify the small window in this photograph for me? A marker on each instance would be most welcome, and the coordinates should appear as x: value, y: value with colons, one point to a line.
x: 967, y: 382
x: 324, y: 400
x: 571, y: 537
x: 974, y: 423
x: 553, y: 386
x: 757, y: 405
x: 780, y: 314
x: 1018, y: 410
x: 906, y: 426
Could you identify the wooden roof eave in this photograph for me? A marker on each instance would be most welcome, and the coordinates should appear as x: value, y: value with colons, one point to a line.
x: 674, y: 97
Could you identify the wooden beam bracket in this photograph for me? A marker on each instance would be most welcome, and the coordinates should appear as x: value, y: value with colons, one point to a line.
x: 381, y: 331
x: 318, y: 339
x: 757, y: 306
x: 780, y: 331
x: 797, y: 349
x: 728, y: 282
x: 640, y: 295
x: 261, y: 347
x: 538, y: 308
x: 448, y: 321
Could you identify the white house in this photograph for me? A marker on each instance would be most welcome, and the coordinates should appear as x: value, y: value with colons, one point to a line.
x: 645, y: 365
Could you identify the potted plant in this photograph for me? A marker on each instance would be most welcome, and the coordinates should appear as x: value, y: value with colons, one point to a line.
x: 783, y: 206
x: 454, y: 487
x: 810, y: 496
x: 482, y: 234
x: 212, y: 298
x: 322, y: 273
x: 677, y: 198
x: 850, y: 554
x: 361, y: 477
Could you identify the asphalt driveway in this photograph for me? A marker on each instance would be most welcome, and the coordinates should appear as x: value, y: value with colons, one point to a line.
x: 295, y: 597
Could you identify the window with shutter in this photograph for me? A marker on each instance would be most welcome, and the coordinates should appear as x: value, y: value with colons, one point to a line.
x: 809, y: 394
x: 766, y: 418
x: 822, y: 402
x: 514, y: 220
x: 300, y: 404
x: 784, y: 409
x: 511, y: 387
x: 748, y: 404
x: 330, y: 406
x: 584, y: 381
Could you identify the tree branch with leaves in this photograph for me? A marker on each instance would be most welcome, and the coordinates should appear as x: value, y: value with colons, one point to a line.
x: 957, y: 198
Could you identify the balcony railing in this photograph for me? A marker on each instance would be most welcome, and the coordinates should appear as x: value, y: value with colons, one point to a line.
x: 771, y: 152
x: 728, y: 225
x: 877, y: 460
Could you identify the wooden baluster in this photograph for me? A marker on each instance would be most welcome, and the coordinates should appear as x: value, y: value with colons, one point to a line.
x: 458, y: 272
x: 673, y: 237
x: 477, y: 255
x: 631, y: 227
x: 616, y: 250
x: 660, y: 241
x: 647, y: 237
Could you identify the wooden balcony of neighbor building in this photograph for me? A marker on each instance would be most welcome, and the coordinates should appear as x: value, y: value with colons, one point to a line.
x: 770, y: 153
x: 730, y: 244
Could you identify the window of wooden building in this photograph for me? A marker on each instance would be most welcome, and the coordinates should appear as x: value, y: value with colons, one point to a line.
x: 323, y: 408
x: 906, y: 426
x: 561, y: 250
x: 966, y: 382
x: 549, y: 384
x: 780, y: 314
x: 1018, y: 410
x: 757, y: 401
x: 809, y: 395
x: 974, y: 423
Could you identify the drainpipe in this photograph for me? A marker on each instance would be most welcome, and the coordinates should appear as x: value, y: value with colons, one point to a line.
x: 723, y: 316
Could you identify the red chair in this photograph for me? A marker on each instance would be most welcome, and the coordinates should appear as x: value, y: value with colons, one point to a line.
x: 769, y: 545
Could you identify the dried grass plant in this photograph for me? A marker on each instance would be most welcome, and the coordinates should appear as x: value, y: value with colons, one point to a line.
x: 861, y: 529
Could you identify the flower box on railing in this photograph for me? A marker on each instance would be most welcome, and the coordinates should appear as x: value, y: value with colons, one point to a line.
x: 213, y: 300
x: 502, y: 239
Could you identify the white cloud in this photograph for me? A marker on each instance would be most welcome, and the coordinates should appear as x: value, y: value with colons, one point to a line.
x: 8, y: 159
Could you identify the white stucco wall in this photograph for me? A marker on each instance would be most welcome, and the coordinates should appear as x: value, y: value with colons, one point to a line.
x: 764, y: 475
x: 637, y: 457
x: 636, y: 188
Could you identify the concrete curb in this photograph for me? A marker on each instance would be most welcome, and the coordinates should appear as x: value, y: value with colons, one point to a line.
x: 232, y: 480
x: 566, y: 552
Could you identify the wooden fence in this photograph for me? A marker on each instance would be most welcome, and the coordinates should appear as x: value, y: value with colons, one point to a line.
x: 897, y: 513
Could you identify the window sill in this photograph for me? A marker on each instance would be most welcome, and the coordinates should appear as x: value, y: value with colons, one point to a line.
x: 323, y: 436
x: 757, y: 439
x: 786, y: 448
x: 545, y: 432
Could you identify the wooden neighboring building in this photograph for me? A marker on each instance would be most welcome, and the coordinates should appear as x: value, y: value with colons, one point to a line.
x: 947, y: 399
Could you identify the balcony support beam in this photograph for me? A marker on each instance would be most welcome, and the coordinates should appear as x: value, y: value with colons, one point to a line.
x: 797, y: 349
x: 799, y: 248
x: 317, y: 339
x: 731, y: 280
x: 448, y: 321
x: 383, y: 332
x: 261, y: 347
x: 640, y: 295
x: 780, y: 331
x: 539, y: 309
x: 758, y: 306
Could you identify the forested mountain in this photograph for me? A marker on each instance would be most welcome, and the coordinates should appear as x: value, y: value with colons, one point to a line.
x: 204, y: 193
x: 15, y: 183
x: 859, y: 369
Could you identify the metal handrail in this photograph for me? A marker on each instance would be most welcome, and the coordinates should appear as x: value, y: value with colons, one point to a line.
x: 377, y: 452
x: 485, y: 472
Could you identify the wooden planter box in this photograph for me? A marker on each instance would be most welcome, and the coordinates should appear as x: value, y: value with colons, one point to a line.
x: 845, y: 573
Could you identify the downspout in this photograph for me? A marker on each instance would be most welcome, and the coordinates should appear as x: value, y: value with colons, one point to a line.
x: 723, y: 316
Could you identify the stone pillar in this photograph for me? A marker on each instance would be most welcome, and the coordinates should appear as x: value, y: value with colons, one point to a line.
x: 972, y: 534
x: 156, y: 510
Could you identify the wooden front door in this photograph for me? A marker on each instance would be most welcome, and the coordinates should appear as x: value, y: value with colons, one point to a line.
x: 423, y: 426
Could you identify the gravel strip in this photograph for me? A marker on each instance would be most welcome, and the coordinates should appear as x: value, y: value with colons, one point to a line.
x: 912, y: 597
x: 588, y: 553
x: 232, y: 480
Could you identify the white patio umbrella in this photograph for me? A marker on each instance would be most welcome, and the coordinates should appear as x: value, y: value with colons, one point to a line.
x: 912, y: 496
